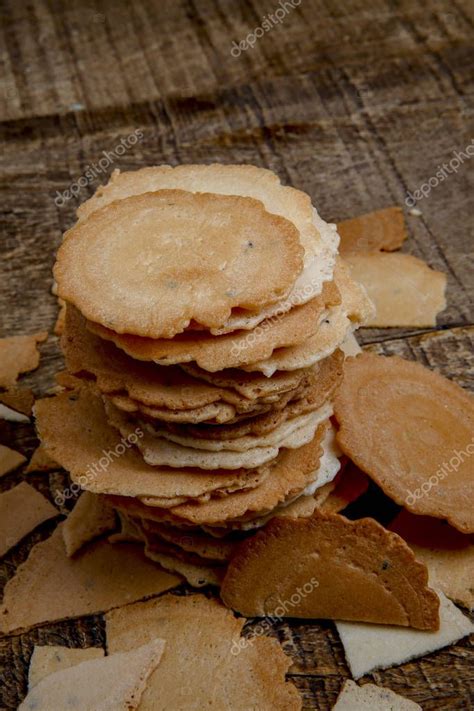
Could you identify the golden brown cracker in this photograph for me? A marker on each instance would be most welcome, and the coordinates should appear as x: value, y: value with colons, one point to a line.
x: 74, y: 430
x: 21, y: 510
x: 232, y: 350
x: 404, y: 290
x: 19, y: 399
x: 410, y: 430
x: 329, y: 567
x: 124, y: 268
x: 10, y: 459
x: 49, y: 586
x: 217, y: 667
x: 89, y: 519
x: 380, y: 230
x: 41, y: 462
x: 18, y: 354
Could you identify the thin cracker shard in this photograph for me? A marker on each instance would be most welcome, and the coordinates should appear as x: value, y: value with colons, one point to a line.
x: 49, y: 586
x: 380, y: 230
x: 217, y: 667
x: 369, y: 697
x: 404, y: 289
x: 368, y: 647
x: 18, y: 354
x: 22, y: 509
x: 90, y: 518
x: 112, y: 683
x: 47, y: 659
x: 10, y: 460
x: 410, y: 430
x: 336, y: 568
x: 228, y: 242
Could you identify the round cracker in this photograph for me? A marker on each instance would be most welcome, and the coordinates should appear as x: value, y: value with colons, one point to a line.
x: 151, y: 263
x: 233, y: 350
x: 411, y: 431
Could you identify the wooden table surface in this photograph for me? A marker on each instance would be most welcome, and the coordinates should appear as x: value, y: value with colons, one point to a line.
x: 355, y: 102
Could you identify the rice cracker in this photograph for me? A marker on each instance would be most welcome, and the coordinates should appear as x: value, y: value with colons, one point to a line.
x: 410, y: 430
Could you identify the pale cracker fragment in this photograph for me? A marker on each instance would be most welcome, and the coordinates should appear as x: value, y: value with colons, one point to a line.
x: 41, y: 461
x: 10, y: 459
x: 368, y: 647
x: 49, y: 586
x: 380, y: 230
x: 21, y: 510
x: 18, y: 354
x: 370, y: 697
x: 207, y: 664
x: 113, y: 683
x: 124, y: 266
x: 350, y: 345
x: 89, y: 519
x: 405, y: 291
x: 48, y: 659
x: 353, y: 570
x: 447, y: 553
x: 7, y: 413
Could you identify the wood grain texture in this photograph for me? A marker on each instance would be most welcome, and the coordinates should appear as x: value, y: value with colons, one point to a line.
x: 354, y: 102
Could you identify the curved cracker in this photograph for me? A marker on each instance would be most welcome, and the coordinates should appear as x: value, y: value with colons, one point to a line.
x: 403, y: 425
x: 335, y: 568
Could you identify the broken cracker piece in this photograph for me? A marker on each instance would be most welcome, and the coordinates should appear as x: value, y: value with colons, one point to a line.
x: 48, y: 659
x: 411, y: 431
x: 369, y: 697
x: 49, y: 586
x: 369, y: 647
x: 21, y: 510
x: 380, y: 230
x: 90, y: 518
x: 404, y: 290
x: 207, y: 663
x: 18, y: 354
x: 447, y: 553
x: 335, y: 568
x: 113, y: 683
x: 41, y: 462
x: 16, y: 404
x: 10, y: 459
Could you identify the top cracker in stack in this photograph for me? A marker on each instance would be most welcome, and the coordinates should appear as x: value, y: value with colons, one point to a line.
x: 206, y: 307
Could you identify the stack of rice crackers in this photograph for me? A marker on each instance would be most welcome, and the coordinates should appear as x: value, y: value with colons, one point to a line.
x: 206, y: 309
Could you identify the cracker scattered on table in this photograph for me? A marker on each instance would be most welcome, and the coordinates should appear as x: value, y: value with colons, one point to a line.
x: 447, y: 553
x: 370, y: 697
x: 411, y: 431
x: 368, y: 647
x: 48, y: 659
x: 16, y: 404
x: 113, y: 683
x: 380, y: 230
x: 207, y: 662
x: 49, y: 586
x: 90, y: 518
x: 41, y: 462
x: 403, y: 288
x: 10, y: 460
x: 335, y: 568
x: 19, y: 354
x: 21, y: 510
